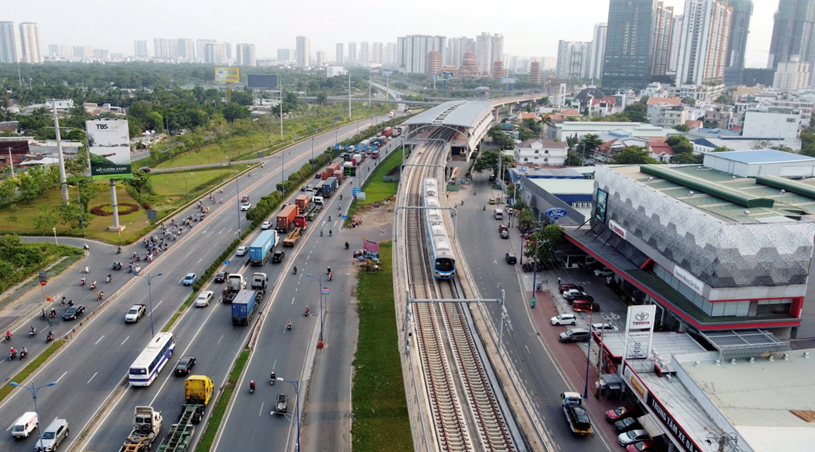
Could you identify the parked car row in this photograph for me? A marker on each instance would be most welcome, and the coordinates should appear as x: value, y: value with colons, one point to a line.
x: 631, y: 435
x: 578, y: 298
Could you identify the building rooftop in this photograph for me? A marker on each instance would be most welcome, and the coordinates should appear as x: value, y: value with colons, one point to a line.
x: 771, y: 403
x: 565, y: 186
x: 763, y: 156
x: 664, y: 100
x: 709, y: 191
x: 453, y: 113
x: 665, y: 344
x: 547, y: 143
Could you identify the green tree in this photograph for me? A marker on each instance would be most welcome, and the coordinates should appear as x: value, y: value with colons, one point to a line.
x: 680, y: 144
x: 140, y: 182
x: 682, y: 128
x: 488, y: 160
x: 590, y: 143
x: 322, y: 97
x: 12, y: 213
x: 542, y: 244
x: 525, y: 134
x: 527, y: 219
x: 234, y: 111
x: 689, y: 100
x: 634, y: 155
x: 533, y: 125
x: 8, y: 191
x: 154, y: 121
x: 68, y: 215
x: 722, y: 149
x: 573, y: 159
x: 688, y: 158
x: 503, y: 141
x: 636, y: 112
x: 46, y: 220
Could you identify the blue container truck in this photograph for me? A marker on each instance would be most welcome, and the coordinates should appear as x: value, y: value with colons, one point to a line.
x: 243, y: 306
x: 259, y: 249
x: 329, y: 187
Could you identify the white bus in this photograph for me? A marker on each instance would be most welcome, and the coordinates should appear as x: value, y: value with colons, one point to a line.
x: 146, y: 367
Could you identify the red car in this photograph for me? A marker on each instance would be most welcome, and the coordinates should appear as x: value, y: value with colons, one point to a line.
x: 563, y: 287
x: 245, y: 198
x: 622, y: 412
x: 642, y: 446
x: 585, y: 306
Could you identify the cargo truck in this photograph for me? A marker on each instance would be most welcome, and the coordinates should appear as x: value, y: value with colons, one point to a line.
x: 307, y: 208
x: 234, y: 284
x: 387, y: 131
x: 329, y: 187
x: 243, y: 306
x: 300, y: 226
x: 259, y: 249
x: 375, y: 155
x: 285, y: 219
x: 575, y: 413
x: 146, y: 426
x: 197, y: 394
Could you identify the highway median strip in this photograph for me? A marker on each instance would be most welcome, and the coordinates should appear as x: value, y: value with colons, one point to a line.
x: 31, y: 367
x: 218, y: 412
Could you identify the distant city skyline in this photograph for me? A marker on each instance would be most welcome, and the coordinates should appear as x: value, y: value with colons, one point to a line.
x: 64, y: 24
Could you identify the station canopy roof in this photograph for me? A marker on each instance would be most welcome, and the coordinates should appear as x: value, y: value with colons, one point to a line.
x: 454, y: 113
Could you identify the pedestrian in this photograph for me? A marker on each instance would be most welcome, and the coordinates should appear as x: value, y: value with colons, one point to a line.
x: 558, y: 280
x: 62, y: 302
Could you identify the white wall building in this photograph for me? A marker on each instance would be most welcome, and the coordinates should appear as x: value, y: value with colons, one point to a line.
x: 774, y: 125
x: 31, y: 50
x: 140, y: 49
x: 544, y: 152
x: 334, y: 71
x: 574, y: 60
x: 215, y: 53
x: 338, y: 56
x: 245, y: 55
x: 791, y: 76
x: 581, y: 129
x: 303, y: 52
x: 9, y: 43
x: 703, y: 46
x: 412, y: 52
x: 352, y: 54
x: 676, y: 32
x: 598, y: 51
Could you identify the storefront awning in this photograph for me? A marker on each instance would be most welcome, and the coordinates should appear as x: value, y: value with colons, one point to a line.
x: 650, y: 425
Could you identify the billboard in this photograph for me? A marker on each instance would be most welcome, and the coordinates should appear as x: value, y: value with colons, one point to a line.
x: 508, y: 80
x: 109, y: 146
x: 227, y: 74
x: 267, y: 81
x: 639, y: 330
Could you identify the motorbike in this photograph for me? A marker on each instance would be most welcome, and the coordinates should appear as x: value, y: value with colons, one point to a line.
x: 99, y: 297
x: 272, y: 378
x: 82, y: 282
x: 119, y: 250
x: 107, y: 280
x: 251, y: 387
x: 117, y: 266
x: 295, y: 270
x: 8, y: 337
x: 306, y: 313
x: 87, y: 269
x: 12, y: 355
x: 93, y: 285
x: 23, y: 354
x: 330, y: 276
x: 346, y: 245
x: 137, y: 269
x: 49, y: 338
x: 288, y: 325
x: 32, y: 333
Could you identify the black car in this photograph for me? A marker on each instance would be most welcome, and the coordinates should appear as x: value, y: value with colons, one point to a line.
x: 73, y: 312
x: 278, y: 256
x: 511, y: 258
x: 184, y: 366
x: 573, y: 295
x: 626, y: 424
x: 221, y: 277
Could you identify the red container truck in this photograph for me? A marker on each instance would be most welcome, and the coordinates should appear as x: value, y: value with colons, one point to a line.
x: 285, y: 219
x: 387, y: 131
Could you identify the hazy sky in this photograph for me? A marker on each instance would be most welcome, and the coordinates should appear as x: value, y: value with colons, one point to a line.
x: 530, y: 28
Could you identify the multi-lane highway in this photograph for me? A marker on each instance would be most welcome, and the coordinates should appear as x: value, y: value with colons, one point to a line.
x: 92, y: 366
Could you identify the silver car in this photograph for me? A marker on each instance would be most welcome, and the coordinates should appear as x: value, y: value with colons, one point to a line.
x: 53, y: 436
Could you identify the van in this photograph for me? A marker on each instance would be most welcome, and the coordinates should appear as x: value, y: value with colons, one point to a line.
x: 498, y: 214
x: 24, y: 425
x: 53, y: 436
x: 318, y: 200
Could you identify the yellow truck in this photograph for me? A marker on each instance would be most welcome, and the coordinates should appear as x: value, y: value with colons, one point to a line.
x: 198, y: 391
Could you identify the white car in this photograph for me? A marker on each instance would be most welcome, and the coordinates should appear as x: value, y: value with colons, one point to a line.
x: 204, y: 298
x: 603, y: 272
x: 246, y: 206
x: 266, y: 225
x: 241, y: 251
x: 135, y: 313
x: 631, y: 437
x: 563, y: 319
x: 603, y: 327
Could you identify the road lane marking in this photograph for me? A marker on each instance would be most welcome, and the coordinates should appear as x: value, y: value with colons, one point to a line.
x: 156, y: 306
x: 100, y: 339
x: 220, y: 338
x: 274, y: 364
x: 193, y: 249
x: 222, y: 230
x: 60, y: 377
x: 527, y: 349
x: 260, y: 413
x: 123, y: 342
x: 94, y: 375
x: 199, y: 260
x: 292, y: 300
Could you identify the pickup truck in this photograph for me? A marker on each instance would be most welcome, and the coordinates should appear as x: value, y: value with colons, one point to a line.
x: 135, y: 313
x: 282, y: 404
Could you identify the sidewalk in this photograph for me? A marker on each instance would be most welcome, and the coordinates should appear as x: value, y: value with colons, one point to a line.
x: 572, y: 361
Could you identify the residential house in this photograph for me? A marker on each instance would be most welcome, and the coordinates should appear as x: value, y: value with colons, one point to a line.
x: 718, y: 117
x: 660, y: 150
x: 655, y: 104
x: 541, y: 152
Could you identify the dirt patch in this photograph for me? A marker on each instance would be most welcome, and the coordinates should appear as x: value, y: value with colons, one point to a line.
x: 378, y: 214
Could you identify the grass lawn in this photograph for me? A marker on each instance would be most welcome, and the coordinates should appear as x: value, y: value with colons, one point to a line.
x: 381, y: 420
x: 377, y: 189
x: 35, y: 363
x: 205, y: 443
x: 169, y: 195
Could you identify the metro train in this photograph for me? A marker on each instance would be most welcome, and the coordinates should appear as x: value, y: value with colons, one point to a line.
x: 440, y: 250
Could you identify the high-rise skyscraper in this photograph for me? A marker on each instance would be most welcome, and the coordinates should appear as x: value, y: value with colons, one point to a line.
x: 377, y: 53
x: 162, y: 48
x: 432, y: 64
x: 339, y: 54
x: 411, y: 52
x: 390, y: 53
x: 676, y: 33
x: 791, y: 76
x: 9, y: 43
x: 245, y: 55
x: 352, y: 54
x: 662, y: 38
x: 598, y: 51
x: 201, y: 48
x: 284, y: 55
x: 303, y: 51
x: 31, y: 51
x: 228, y: 47
x: 53, y: 50
x: 140, y: 49
x: 535, y: 71
x: 321, y: 59
x: 488, y: 49
x: 456, y: 48
x: 185, y: 48
x: 215, y: 54
x: 740, y: 27
x: 629, y: 45
x: 703, y: 46
x: 364, y: 53
x: 793, y: 33
x: 573, y: 59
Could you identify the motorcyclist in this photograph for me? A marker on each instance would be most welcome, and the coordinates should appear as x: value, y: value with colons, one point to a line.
x: 82, y: 281
x: 295, y: 269
x: 346, y: 245
x: 87, y: 269
x: 306, y: 310
x: 328, y: 271
x: 288, y: 324
x: 12, y: 352
x: 70, y: 303
x: 340, y: 197
x: 101, y: 294
x: 109, y: 277
x: 330, y: 276
x: 32, y: 330
x: 54, y: 312
x: 8, y: 335
x: 321, y: 232
x: 272, y: 377
x: 23, y: 352
x: 93, y: 285
x: 252, y: 385
x: 50, y: 336
x: 329, y: 232
x: 329, y: 218
x: 118, y: 250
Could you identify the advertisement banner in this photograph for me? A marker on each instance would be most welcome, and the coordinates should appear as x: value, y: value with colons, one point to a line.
x: 508, y: 80
x: 639, y: 331
x: 109, y: 148
x: 265, y: 81
x: 370, y: 250
x: 227, y: 74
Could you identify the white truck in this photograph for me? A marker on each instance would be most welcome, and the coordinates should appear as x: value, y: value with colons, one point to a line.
x: 234, y: 284
x: 146, y: 427
x: 135, y: 312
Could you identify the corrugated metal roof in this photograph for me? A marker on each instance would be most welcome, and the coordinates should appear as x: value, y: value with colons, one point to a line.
x: 454, y: 113
x: 762, y: 156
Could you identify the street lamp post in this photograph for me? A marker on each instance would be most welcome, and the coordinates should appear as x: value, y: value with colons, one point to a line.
x: 79, y: 201
x: 588, y: 355
x: 296, y: 385
x: 320, y: 282
x: 150, y: 292
x: 33, y: 390
x: 238, y: 186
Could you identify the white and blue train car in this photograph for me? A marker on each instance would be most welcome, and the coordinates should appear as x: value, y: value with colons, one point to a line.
x: 440, y: 250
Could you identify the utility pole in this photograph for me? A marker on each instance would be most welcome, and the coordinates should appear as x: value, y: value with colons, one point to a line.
x: 281, y: 112
x: 62, y: 178
x: 11, y: 162
x: 349, y: 95
x: 370, y: 86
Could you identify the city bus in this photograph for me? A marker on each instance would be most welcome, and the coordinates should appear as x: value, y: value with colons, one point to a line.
x: 147, y: 366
